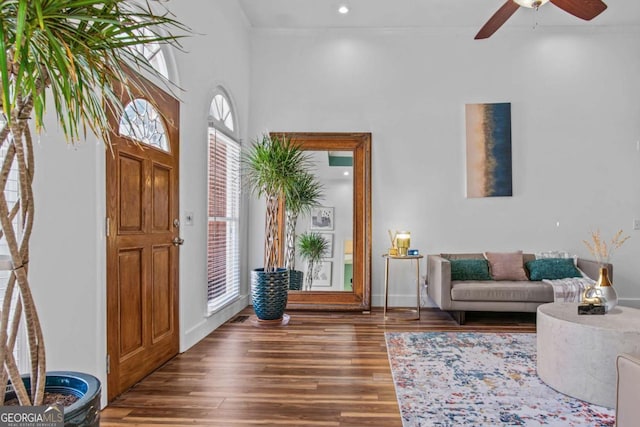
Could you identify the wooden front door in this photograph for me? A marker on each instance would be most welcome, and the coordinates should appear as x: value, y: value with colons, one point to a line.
x: 142, y: 256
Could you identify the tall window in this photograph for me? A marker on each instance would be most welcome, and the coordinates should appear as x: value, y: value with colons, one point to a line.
x: 223, y: 239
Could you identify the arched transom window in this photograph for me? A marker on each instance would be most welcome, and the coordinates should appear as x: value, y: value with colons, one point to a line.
x: 142, y: 122
x: 153, y: 53
x: 220, y: 114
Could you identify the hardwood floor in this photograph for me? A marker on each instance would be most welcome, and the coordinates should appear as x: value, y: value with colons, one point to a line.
x: 323, y: 369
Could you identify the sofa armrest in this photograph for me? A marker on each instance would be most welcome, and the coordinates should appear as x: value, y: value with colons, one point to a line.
x: 592, y: 268
x: 627, y: 409
x: 439, y: 281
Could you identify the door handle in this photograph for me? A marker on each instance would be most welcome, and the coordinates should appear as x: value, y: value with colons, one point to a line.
x: 177, y: 241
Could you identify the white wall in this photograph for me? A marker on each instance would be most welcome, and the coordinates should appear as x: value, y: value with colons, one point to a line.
x: 67, y: 269
x: 575, y: 122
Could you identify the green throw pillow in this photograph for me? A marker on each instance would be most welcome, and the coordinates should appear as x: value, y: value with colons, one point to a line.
x: 469, y: 269
x: 552, y: 268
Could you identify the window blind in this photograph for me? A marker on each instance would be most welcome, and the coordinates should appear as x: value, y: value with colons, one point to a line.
x: 223, y: 239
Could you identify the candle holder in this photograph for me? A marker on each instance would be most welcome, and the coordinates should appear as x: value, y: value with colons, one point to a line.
x: 403, y: 241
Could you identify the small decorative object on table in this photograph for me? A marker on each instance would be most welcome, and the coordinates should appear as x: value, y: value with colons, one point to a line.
x: 413, y: 252
x: 603, y: 289
x: 403, y: 241
x: 584, y: 308
x: 393, y: 250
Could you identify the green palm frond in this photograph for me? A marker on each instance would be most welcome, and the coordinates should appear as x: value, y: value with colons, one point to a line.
x: 79, y: 48
x: 312, y: 245
x: 305, y: 193
x: 274, y: 165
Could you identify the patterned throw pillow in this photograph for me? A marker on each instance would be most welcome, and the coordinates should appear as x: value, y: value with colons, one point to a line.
x: 552, y: 269
x: 506, y: 265
x: 469, y: 269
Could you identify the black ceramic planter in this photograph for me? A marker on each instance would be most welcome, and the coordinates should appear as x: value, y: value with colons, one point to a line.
x: 269, y: 292
x: 86, y: 410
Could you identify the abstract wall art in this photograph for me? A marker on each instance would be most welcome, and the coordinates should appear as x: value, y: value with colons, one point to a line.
x: 489, y: 150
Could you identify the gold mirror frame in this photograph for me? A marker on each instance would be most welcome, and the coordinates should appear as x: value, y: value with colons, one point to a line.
x: 360, y: 298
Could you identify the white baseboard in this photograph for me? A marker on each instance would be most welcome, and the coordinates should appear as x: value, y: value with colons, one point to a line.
x: 196, y: 333
x: 401, y: 301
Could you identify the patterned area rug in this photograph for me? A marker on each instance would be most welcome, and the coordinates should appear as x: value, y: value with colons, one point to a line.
x: 479, y: 379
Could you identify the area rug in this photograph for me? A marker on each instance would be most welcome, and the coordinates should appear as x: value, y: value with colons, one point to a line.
x: 479, y: 379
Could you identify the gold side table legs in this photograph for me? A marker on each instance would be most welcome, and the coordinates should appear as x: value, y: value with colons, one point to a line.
x: 387, y: 258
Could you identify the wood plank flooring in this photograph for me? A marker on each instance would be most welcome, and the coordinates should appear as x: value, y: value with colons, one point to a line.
x: 323, y: 369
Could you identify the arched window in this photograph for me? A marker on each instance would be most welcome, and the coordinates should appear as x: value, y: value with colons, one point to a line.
x: 141, y: 121
x: 223, y: 234
x: 220, y: 115
x: 153, y: 53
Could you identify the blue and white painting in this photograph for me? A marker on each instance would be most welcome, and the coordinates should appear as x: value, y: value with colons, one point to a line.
x: 489, y: 150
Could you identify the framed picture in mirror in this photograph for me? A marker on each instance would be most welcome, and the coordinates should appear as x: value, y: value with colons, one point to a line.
x: 321, y: 218
x: 322, y: 276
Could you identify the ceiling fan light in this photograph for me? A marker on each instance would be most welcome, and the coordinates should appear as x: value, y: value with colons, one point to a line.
x: 532, y: 4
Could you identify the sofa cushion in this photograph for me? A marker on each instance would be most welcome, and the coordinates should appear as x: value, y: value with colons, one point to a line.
x: 506, y: 290
x: 552, y: 268
x: 506, y: 265
x: 469, y: 269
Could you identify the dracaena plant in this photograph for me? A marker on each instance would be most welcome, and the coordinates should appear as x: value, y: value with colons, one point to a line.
x: 74, y: 56
x: 273, y: 166
x: 312, y: 247
x: 305, y: 193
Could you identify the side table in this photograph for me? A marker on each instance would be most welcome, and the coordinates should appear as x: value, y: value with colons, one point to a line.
x: 577, y: 353
x: 387, y: 258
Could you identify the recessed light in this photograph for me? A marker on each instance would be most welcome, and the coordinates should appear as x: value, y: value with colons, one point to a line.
x: 343, y: 10
x: 346, y: 173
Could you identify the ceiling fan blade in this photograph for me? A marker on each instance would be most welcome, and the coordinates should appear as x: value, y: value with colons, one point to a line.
x: 497, y: 20
x: 583, y: 9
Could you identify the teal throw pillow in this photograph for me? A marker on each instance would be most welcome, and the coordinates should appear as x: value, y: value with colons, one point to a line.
x: 552, y: 268
x: 470, y: 269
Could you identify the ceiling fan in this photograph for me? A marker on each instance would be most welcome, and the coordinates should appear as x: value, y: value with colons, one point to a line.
x: 583, y: 9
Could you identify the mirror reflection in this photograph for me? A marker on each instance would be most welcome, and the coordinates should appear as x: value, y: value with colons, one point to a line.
x: 350, y: 219
x: 324, y: 233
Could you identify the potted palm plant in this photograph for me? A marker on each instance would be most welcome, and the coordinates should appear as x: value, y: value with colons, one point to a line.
x: 74, y: 53
x: 312, y: 246
x: 305, y: 193
x: 272, y: 167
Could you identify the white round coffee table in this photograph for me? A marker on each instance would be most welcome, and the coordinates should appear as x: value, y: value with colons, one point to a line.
x: 577, y: 353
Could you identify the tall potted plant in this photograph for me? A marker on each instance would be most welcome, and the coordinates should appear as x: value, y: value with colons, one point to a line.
x: 312, y: 246
x: 305, y: 193
x: 273, y: 165
x: 74, y: 53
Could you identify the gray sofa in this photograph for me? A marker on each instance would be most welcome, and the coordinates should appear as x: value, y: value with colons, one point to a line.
x: 458, y: 297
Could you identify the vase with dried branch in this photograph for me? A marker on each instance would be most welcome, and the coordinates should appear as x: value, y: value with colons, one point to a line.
x: 602, y: 251
x: 72, y: 53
